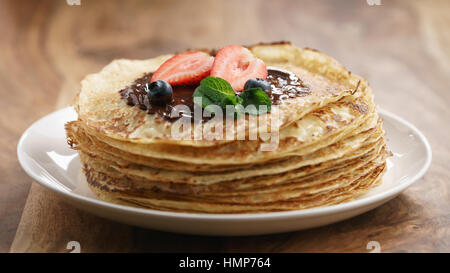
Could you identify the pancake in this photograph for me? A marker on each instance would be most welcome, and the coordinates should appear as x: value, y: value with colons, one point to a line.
x: 101, y: 109
x: 171, y: 203
x: 330, y: 146
x: 330, y: 152
x: 326, y: 122
x: 265, y: 183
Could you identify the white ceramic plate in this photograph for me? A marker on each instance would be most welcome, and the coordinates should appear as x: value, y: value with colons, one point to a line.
x: 46, y: 157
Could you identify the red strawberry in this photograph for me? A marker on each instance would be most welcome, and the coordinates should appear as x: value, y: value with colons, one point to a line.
x: 185, y: 68
x: 236, y: 64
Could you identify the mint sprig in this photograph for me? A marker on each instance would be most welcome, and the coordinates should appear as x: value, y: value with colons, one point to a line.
x: 217, y: 91
x: 258, y: 98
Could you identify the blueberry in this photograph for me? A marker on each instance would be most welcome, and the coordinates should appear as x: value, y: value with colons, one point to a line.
x: 254, y: 83
x: 159, y: 92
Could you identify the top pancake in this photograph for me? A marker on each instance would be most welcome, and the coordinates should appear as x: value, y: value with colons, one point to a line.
x: 101, y: 108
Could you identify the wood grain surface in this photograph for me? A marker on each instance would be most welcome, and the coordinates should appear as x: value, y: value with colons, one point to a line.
x: 47, y: 47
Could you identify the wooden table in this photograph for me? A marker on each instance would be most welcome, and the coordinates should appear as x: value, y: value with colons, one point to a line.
x: 47, y: 47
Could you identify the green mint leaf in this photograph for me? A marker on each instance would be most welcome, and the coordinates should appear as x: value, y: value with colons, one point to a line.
x: 217, y: 91
x: 256, y: 97
x: 198, y: 93
x: 230, y: 100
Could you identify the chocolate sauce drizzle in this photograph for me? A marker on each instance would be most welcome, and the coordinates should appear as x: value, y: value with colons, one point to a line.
x: 285, y: 85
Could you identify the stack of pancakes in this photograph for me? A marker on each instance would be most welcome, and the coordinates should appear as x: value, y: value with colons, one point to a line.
x: 331, y: 145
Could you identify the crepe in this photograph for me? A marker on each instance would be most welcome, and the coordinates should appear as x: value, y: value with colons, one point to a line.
x: 167, y: 202
x: 99, y: 106
x: 330, y: 144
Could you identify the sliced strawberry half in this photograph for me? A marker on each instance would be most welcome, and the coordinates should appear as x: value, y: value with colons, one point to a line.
x: 236, y: 64
x: 185, y: 68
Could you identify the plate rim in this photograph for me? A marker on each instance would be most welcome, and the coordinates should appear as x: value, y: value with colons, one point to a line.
x: 282, y: 215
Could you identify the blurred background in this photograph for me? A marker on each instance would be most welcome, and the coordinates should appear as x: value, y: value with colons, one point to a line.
x: 47, y: 47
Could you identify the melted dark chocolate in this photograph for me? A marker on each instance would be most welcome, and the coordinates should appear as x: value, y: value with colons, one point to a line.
x: 136, y: 95
x: 285, y: 85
